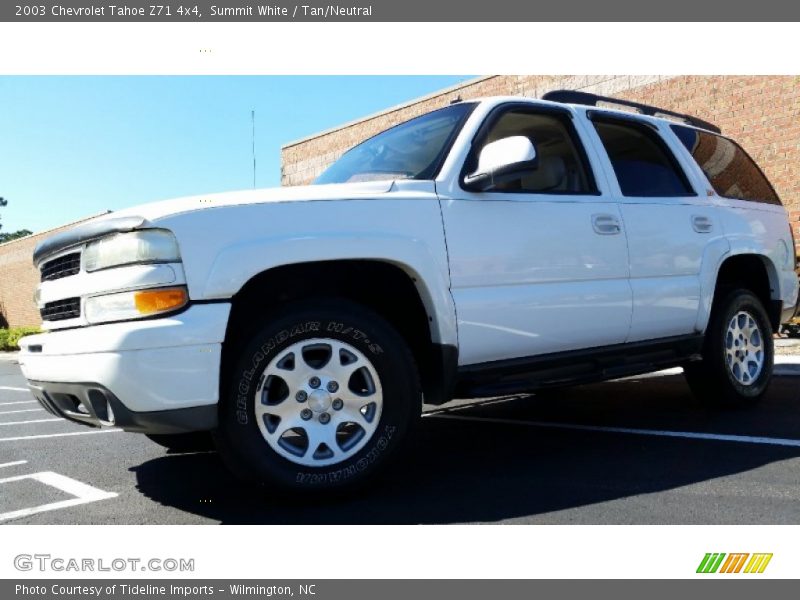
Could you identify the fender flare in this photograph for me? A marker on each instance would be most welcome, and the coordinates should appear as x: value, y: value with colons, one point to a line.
x: 710, y: 276
x: 238, y: 264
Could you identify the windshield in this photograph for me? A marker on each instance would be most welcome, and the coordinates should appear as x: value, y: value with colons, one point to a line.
x: 412, y: 150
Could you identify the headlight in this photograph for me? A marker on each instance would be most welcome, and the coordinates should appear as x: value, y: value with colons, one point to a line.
x: 134, y: 305
x: 146, y: 246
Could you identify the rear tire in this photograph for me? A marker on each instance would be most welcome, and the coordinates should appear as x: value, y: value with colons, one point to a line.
x: 321, y: 399
x: 738, y: 353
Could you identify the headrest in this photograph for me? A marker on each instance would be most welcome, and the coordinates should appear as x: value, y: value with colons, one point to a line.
x: 550, y: 174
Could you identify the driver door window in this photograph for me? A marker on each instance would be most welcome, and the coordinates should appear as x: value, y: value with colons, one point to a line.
x: 561, y: 168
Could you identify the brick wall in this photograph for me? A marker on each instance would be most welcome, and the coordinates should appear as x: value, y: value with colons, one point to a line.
x: 761, y: 112
x: 18, y: 280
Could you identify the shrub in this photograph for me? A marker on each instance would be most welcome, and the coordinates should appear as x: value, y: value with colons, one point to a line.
x: 9, y: 338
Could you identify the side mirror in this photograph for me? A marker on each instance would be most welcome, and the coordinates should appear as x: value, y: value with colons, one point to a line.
x: 502, y: 160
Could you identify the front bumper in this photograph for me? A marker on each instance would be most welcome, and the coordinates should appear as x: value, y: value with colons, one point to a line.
x: 146, y: 373
x: 94, y: 405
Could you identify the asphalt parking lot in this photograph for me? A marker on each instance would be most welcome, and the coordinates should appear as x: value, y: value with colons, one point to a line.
x: 633, y: 451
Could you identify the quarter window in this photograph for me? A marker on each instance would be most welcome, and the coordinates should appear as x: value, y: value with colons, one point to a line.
x: 644, y: 166
x: 729, y: 169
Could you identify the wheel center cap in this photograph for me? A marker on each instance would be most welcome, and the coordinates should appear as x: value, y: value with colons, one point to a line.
x: 319, y: 401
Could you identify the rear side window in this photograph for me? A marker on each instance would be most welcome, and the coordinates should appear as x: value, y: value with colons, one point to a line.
x: 643, y: 164
x: 731, y: 171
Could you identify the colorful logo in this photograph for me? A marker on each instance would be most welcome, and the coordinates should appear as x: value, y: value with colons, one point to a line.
x: 719, y: 562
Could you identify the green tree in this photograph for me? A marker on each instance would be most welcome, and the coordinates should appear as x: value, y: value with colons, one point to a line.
x: 7, y: 237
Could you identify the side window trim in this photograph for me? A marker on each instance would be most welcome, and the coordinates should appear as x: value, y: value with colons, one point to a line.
x: 569, y: 123
x: 600, y: 115
x: 656, y: 135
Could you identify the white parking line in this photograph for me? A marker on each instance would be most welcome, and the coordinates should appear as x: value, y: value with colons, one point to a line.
x: 83, y: 493
x: 54, y: 435
x: 743, y: 439
x: 14, y: 412
x: 18, y: 402
x: 34, y: 421
x: 13, y: 389
x: 14, y: 464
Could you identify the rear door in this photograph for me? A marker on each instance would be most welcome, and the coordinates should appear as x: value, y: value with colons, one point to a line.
x: 669, y: 225
x: 538, y: 265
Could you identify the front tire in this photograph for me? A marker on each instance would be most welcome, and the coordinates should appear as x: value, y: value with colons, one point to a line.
x: 321, y: 399
x: 738, y: 353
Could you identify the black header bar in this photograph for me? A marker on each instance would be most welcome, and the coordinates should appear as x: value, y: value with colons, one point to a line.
x: 402, y: 11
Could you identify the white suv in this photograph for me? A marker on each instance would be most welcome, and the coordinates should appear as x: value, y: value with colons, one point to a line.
x: 487, y: 248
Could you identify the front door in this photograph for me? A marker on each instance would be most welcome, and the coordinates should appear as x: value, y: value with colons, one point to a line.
x: 538, y: 265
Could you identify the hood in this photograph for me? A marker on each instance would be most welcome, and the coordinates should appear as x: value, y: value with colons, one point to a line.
x: 303, y: 193
x: 138, y: 216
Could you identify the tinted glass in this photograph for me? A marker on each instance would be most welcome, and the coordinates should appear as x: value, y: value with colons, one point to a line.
x: 642, y: 163
x: 560, y: 166
x: 412, y: 150
x: 732, y: 173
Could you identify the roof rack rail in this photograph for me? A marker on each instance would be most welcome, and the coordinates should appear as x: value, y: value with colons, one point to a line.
x: 585, y: 98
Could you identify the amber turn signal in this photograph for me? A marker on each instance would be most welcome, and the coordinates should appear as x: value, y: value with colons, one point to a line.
x: 149, y: 302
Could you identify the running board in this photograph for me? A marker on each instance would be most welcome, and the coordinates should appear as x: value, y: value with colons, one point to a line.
x: 521, y: 375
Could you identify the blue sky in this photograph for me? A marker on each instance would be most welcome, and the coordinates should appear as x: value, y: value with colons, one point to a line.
x: 75, y: 146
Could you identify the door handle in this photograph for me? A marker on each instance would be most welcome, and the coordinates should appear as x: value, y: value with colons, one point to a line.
x: 702, y: 224
x: 606, y: 224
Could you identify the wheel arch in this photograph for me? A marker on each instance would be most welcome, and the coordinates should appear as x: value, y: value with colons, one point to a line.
x: 395, y: 290
x: 755, y: 272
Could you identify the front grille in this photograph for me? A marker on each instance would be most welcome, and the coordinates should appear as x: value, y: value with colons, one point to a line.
x: 63, y: 266
x: 61, y: 310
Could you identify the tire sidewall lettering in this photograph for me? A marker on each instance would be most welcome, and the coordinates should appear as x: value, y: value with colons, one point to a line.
x: 244, y: 386
x: 355, y: 334
x: 379, y: 446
